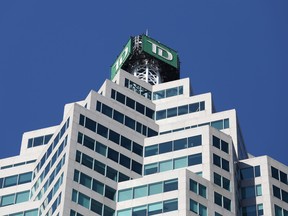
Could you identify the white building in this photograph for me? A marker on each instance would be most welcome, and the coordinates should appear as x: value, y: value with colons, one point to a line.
x: 142, y: 145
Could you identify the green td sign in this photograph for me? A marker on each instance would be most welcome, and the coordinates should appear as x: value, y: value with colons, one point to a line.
x: 159, y: 51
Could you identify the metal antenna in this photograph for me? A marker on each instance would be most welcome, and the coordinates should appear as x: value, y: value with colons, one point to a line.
x: 146, y: 32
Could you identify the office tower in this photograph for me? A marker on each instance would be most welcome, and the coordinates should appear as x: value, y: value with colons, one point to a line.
x: 143, y: 144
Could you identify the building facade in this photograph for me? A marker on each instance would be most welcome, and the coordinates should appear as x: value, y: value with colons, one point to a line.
x: 143, y: 144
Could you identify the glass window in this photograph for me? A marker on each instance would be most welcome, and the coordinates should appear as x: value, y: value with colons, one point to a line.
x: 202, y: 210
x: 149, y: 113
x: 171, y: 92
x: 129, y: 122
x: 125, y: 161
x: 193, y: 186
x: 194, y: 159
x: 182, y: 110
x: 160, y: 114
x: 276, y: 192
x: 283, y: 177
x: 38, y: 141
x: 22, y: 197
x: 226, y: 183
x: 137, y: 149
x: 102, y: 131
x: 89, y: 142
x: 10, y: 181
x: 217, y: 179
x: 217, y: 199
x: 180, y: 144
x: 202, y: 191
x: 90, y: 124
x: 79, y: 139
x: 114, y: 137
x: 180, y: 162
x: 165, y: 166
x: 7, y: 200
x: 227, y: 203
x: 87, y: 161
x: 226, y: 123
x: 106, y: 110
x: 124, y: 212
x: 159, y: 95
x: 258, y: 190
x: 84, y: 200
x: 126, y: 143
x: 111, y: 173
x: 137, y: 167
x: 139, y: 211
x: 113, y: 94
x: 194, y: 141
x: 193, y: 107
x: 120, y: 97
x: 151, y: 168
x: 216, y: 160
x: 96, y: 207
x: 216, y: 142
x: 25, y: 177
x: 122, y: 177
x: 257, y: 171
x: 99, y: 167
x: 278, y: 211
x: 170, y: 205
x: 260, y: 210
x: 98, y: 106
x: 171, y: 112
x: 110, y: 192
x: 225, y: 164
x: 224, y: 146
x: 247, y: 173
x: 275, y: 173
x: 248, y: 192
x: 193, y: 206
x: 98, y: 187
x: 85, y: 180
x: 101, y: 149
x: 118, y: 116
x: 170, y: 185
x: 165, y: 147
x: 217, y: 124
x: 113, y: 155
x: 140, y: 191
x: 125, y: 195
x: 284, y: 196
x: 130, y: 103
x: 33, y: 212
x: 140, y: 108
x: 151, y: 150
x: 155, y: 188
x: 108, y: 211
x: 155, y: 208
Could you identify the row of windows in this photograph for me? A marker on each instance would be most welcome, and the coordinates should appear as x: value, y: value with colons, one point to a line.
x: 15, y: 180
x: 132, y: 104
x: 220, y: 144
x: 147, y: 190
x: 222, y: 201
x: 251, y: 191
x: 178, y: 90
x: 198, y: 188
x: 17, y: 164
x: 100, y: 167
x: 15, y: 198
x: 180, y: 110
x: 51, y: 147
x: 250, y: 172
x: 37, y: 141
x: 280, y: 194
x: 253, y: 210
x: 111, y: 135
x: 174, y: 145
x: 138, y: 89
x: 127, y: 121
x: 49, y: 165
x: 52, y: 192
x: 54, y: 206
x: 279, y: 175
x: 151, y: 209
x: 91, y: 204
x: 172, y: 164
x: 280, y: 212
x: 219, y: 124
x: 198, y: 208
x: 221, y: 162
x: 49, y: 180
x: 33, y: 212
x: 110, y: 153
x: 95, y: 185
x: 222, y: 181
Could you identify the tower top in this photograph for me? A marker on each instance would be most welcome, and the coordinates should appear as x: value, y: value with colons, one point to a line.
x: 148, y: 59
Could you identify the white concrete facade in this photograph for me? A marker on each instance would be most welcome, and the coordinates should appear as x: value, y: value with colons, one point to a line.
x: 124, y: 151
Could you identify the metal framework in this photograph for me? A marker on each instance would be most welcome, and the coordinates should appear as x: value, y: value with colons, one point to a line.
x: 148, y: 72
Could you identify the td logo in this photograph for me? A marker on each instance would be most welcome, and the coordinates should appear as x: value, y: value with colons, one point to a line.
x: 160, y: 51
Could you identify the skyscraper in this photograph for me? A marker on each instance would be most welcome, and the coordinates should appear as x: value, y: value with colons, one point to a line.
x: 142, y: 145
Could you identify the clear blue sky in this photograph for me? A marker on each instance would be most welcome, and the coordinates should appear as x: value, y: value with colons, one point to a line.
x: 55, y: 52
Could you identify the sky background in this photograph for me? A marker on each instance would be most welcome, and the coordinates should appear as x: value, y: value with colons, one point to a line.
x: 55, y: 52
